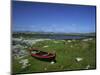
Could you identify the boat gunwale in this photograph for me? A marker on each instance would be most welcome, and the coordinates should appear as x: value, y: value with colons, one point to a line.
x: 40, y: 56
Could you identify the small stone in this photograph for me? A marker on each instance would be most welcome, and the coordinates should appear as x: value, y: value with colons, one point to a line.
x: 66, y: 43
x: 85, y: 39
x: 87, y: 67
x: 56, y: 42
x: 24, y: 63
x: 52, y: 62
x: 63, y: 40
x: 45, y: 69
x: 62, y: 67
x: 90, y: 38
x: 71, y: 46
x: 45, y: 46
x: 69, y: 40
x: 78, y: 59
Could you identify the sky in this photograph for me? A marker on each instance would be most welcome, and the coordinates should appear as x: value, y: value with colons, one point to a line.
x: 51, y: 17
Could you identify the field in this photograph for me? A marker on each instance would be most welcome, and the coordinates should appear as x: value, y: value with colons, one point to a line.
x: 71, y: 54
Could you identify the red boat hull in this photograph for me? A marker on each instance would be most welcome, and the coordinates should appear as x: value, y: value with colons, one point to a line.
x: 42, y: 55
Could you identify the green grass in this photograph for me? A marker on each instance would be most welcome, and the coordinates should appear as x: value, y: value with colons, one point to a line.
x: 66, y: 54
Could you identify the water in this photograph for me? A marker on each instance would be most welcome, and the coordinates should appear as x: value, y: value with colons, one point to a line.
x: 61, y: 37
x: 49, y: 36
x: 66, y: 37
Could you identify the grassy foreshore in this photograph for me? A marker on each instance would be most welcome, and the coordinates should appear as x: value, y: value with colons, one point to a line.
x: 70, y: 55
